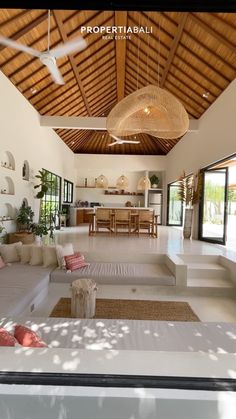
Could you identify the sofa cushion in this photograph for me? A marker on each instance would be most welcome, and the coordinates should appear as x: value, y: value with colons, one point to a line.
x: 36, y: 256
x: 27, y: 337
x: 10, y: 252
x: 2, y: 263
x: 49, y: 256
x: 62, y: 251
x: 119, y: 273
x: 74, y: 262
x: 25, y: 253
x: 6, y: 339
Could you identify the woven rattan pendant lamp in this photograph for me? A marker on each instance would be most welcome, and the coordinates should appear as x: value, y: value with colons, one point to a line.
x: 102, y: 182
x: 122, y: 182
x: 151, y: 110
x: 144, y: 183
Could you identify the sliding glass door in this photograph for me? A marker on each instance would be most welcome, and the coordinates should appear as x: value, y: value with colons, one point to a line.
x: 213, y: 208
x: 174, y: 206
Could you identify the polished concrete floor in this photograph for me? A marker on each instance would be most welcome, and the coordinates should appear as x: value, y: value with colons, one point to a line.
x: 209, y: 304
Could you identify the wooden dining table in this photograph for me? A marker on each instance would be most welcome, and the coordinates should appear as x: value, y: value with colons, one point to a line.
x: 134, y: 218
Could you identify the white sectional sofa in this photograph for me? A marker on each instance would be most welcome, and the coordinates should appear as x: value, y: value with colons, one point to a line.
x: 21, y: 287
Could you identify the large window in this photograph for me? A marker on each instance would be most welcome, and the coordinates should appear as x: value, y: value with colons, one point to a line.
x: 175, y: 206
x: 68, y: 192
x: 51, y: 202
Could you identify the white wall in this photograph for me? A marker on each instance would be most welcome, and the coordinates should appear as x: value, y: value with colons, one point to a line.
x: 215, y: 139
x: 21, y: 134
x: 113, y: 166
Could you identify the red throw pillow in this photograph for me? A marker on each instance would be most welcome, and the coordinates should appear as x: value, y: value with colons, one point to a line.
x: 2, y: 263
x: 27, y: 337
x: 75, y: 261
x: 6, y: 339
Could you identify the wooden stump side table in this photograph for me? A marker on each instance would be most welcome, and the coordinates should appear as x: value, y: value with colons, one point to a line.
x: 83, y: 298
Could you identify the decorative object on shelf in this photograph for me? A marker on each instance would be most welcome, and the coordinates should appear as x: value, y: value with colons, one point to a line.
x: 3, y: 191
x: 2, y: 230
x: 151, y: 110
x: 122, y: 182
x: 154, y: 181
x: 144, y: 183
x: 25, y: 170
x: 85, y: 182
x: 189, y: 192
x: 102, y: 182
x: 43, y: 185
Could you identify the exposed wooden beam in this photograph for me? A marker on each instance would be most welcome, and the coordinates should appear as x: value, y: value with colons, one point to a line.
x: 87, y: 123
x: 174, y: 47
x: 211, y: 31
x: 120, y: 20
x: 63, y: 34
x: 15, y: 36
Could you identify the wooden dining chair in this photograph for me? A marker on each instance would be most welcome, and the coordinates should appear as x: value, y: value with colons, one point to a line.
x: 146, y: 221
x: 122, y: 219
x: 103, y: 219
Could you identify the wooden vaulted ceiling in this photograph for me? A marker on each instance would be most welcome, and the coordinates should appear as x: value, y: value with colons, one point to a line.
x: 192, y: 55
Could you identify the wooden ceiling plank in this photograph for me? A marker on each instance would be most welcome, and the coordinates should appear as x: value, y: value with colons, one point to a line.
x: 198, y: 71
x: 100, y: 72
x: 61, y: 92
x: 174, y: 47
x: 212, y: 31
x: 100, y: 102
x: 141, y: 60
x: 35, y: 22
x: 100, y: 108
x: 63, y: 109
x: 150, y: 78
x: 194, y: 113
x: 199, y: 105
x: 120, y: 20
x: 61, y: 29
x: 62, y: 104
x: 51, y: 85
x: 202, y: 60
x: 110, y: 96
x: 102, y: 89
x: 223, y: 21
x: 108, y: 80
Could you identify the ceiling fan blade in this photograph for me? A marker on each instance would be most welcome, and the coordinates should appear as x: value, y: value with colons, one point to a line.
x: 13, y: 44
x: 55, y: 73
x: 111, y: 144
x: 76, y: 44
x: 131, y: 142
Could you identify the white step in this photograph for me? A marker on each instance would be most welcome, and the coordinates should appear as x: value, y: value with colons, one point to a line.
x: 207, y: 270
x: 210, y: 282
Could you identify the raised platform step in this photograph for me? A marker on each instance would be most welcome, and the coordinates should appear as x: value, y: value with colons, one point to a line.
x: 211, y: 283
x: 207, y: 270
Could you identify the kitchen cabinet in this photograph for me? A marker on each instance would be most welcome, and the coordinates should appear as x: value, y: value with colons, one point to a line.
x: 82, y: 215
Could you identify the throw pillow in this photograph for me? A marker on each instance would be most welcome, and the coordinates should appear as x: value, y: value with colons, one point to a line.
x: 6, y: 339
x: 75, y: 261
x: 49, y: 256
x: 25, y: 253
x: 36, y: 256
x: 10, y: 252
x: 2, y: 263
x: 27, y: 337
x: 62, y: 251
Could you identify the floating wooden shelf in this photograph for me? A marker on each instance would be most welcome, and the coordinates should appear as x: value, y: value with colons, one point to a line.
x: 86, y: 187
x: 9, y: 219
x: 6, y: 193
x: 125, y: 193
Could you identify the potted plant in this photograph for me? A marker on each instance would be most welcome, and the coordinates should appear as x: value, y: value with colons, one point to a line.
x: 43, y: 185
x: 25, y: 218
x: 39, y: 230
x: 154, y: 181
x: 189, y: 192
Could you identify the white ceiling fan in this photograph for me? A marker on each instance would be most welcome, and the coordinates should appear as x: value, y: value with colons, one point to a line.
x: 49, y: 57
x: 120, y: 141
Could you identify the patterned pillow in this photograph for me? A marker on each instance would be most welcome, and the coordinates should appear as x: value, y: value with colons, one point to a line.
x: 75, y: 261
x: 27, y: 337
x: 6, y: 339
x: 2, y: 263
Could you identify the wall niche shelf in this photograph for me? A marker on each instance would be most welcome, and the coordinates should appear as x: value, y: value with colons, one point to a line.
x: 8, y: 213
x: 7, y: 160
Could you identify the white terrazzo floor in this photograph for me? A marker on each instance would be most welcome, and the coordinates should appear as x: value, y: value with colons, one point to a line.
x: 208, y: 304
